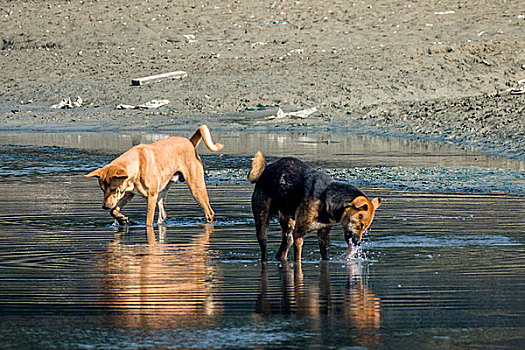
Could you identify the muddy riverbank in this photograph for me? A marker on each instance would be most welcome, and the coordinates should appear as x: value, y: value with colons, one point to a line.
x: 424, y: 70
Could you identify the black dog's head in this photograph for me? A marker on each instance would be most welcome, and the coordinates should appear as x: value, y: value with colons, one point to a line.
x: 349, y: 206
x: 357, y: 217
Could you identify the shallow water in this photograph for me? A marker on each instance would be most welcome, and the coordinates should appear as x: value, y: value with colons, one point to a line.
x: 359, y: 159
x: 438, y: 269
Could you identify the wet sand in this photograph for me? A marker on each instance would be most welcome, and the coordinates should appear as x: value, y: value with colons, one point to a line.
x: 424, y: 70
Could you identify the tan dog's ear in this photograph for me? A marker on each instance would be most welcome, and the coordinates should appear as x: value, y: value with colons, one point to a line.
x: 376, y: 202
x: 360, y: 203
x: 118, y: 173
x: 94, y: 173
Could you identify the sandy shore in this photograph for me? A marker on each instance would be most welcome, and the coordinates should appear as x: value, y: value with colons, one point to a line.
x: 439, y: 70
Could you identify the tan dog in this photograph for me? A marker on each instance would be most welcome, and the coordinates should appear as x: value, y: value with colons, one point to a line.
x: 149, y: 170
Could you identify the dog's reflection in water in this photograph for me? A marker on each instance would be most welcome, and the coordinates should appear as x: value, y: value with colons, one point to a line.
x: 362, y: 307
x: 317, y: 297
x: 153, y: 284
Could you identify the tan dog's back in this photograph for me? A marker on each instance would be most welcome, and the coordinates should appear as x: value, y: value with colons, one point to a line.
x: 162, y: 159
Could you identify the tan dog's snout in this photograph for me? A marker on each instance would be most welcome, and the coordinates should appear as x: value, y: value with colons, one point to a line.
x: 112, y: 194
x: 109, y: 203
x: 113, y: 183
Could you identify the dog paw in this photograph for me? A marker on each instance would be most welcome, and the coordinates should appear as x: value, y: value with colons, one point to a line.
x: 123, y: 221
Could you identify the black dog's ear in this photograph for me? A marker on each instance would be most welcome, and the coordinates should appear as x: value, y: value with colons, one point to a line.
x: 360, y: 203
x: 376, y: 202
x: 351, y: 205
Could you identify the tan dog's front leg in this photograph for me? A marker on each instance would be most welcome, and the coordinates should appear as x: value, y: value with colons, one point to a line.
x: 161, y: 203
x: 115, y: 212
x: 152, y: 203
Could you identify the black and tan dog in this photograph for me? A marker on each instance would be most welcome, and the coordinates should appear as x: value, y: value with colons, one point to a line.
x: 304, y: 200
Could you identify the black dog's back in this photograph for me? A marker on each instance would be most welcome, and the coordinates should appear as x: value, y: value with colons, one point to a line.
x: 282, y: 181
x: 288, y: 181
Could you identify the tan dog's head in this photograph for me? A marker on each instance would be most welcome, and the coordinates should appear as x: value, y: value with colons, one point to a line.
x: 114, y: 182
x: 357, y: 217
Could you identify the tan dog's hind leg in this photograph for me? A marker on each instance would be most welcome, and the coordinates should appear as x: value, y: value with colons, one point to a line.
x: 115, y: 212
x: 161, y: 202
x: 195, y: 179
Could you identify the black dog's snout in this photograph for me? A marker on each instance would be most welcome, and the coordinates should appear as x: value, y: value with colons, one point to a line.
x: 349, y: 236
x: 105, y: 207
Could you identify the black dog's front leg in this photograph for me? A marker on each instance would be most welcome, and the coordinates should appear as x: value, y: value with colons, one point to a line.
x: 323, y: 236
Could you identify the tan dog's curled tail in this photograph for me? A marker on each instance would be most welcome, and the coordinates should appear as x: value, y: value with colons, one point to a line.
x: 258, y: 165
x: 204, y: 133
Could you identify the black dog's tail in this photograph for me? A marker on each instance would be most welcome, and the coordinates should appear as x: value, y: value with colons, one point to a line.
x: 258, y: 165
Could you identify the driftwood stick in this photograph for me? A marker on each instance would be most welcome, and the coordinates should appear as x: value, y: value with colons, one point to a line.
x: 158, y: 77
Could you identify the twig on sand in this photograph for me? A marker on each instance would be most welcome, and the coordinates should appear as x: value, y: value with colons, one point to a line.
x: 293, y: 115
x: 159, y: 77
x: 66, y: 103
x: 518, y: 90
x: 148, y: 105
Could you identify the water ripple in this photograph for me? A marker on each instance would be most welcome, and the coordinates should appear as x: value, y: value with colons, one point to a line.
x: 454, y: 241
x: 229, y: 169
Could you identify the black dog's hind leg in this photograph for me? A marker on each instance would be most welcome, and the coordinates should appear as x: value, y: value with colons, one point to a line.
x: 287, y: 226
x: 261, y: 213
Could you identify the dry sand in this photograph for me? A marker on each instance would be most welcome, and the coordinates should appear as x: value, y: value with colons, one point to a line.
x: 436, y: 69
